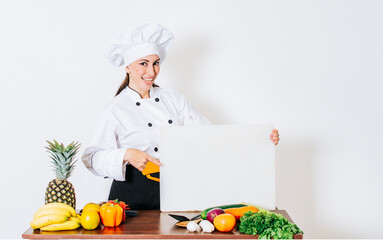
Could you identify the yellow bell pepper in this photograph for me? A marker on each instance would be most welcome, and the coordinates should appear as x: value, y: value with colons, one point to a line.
x: 111, y: 214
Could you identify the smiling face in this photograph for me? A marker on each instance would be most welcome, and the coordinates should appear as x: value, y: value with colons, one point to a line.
x: 142, y: 74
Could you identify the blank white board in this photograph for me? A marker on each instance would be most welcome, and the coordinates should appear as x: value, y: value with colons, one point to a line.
x: 205, y: 166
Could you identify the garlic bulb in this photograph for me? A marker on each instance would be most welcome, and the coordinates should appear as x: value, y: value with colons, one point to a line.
x: 193, y: 227
x: 206, y: 226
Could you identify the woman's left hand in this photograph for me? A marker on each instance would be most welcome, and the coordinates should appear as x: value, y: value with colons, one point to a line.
x: 274, y: 136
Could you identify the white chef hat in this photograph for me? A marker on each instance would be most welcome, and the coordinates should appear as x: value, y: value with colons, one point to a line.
x: 133, y: 43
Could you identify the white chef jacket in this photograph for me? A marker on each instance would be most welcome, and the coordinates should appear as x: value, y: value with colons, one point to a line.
x: 131, y: 122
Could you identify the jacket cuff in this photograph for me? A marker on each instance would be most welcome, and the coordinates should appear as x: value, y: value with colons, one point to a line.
x: 110, y: 163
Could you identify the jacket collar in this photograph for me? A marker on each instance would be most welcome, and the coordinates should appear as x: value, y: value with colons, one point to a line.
x: 137, y: 96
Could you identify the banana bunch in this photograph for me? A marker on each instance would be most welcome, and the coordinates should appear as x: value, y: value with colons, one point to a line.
x: 55, y: 217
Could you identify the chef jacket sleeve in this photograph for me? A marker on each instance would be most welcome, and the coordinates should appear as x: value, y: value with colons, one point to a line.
x: 104, y: 157
x: 190, y: 116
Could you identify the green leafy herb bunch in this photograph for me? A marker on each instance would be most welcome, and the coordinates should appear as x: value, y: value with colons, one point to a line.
x: 268, y: 225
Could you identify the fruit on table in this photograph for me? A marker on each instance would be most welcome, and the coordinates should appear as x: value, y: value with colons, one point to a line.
x: 90, y: 219
x: 74, y: 219
x: 213, y: 213
x: 60, y: 189
x: 52, y: 211
x: 225, y: 222
x: 239, y: 212
x: 204, y: 212
x: 79, y: 218
x: 111, y: 214
x: 54, y: 217
x: 92, y: 206
x: 68, y: 225
x: 59, y: 205
x: 47, y: 220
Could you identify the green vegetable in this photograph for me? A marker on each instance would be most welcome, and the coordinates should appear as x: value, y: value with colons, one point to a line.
x: 204, y: 212
x: 268, y: 225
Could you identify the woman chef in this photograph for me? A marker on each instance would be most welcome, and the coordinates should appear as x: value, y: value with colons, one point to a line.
x: 126, y: 137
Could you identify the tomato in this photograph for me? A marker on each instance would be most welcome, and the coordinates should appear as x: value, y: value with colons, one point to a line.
x: 225, y: 222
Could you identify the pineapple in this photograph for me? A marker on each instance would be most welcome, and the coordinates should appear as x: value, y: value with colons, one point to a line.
x: 59, y: 189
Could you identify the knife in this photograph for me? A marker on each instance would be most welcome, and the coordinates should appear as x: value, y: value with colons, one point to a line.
x: 181, y: 218
x: 131, y: 213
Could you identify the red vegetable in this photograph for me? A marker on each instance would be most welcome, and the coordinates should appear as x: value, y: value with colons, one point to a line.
x: 213, y: 213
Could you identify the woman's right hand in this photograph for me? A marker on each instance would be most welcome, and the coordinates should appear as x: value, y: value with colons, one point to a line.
x: 139, y: 159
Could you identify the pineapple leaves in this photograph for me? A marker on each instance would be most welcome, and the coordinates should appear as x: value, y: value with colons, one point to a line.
x: 63, y: 158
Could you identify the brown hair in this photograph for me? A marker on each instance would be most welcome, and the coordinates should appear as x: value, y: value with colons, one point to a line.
x: 125, y: 83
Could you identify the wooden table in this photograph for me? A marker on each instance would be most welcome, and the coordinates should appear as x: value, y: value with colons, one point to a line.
x: 148, y: 224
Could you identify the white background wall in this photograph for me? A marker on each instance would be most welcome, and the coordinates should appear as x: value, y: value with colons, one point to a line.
x: 314, y: 68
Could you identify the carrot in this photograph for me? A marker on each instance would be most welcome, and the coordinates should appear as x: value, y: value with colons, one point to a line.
x: 239, y: 212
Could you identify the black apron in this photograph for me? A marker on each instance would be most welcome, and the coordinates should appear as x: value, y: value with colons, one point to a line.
x: 139, y: 192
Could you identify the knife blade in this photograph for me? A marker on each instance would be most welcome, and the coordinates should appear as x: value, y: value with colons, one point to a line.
x: 181, y: 218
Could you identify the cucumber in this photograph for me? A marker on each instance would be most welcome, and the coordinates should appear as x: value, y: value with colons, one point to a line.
x: 204, y: 212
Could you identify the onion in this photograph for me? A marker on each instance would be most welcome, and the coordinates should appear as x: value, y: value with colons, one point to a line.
x: 213, y: 213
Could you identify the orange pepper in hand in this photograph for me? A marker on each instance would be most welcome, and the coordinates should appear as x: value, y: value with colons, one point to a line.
x: 111, y: 214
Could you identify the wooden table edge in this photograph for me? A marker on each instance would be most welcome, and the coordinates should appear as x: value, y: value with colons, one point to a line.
x: 28, y: 234
x: 148, y: 236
